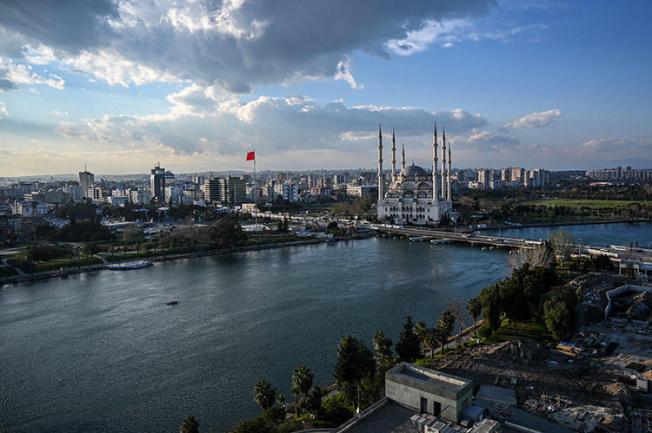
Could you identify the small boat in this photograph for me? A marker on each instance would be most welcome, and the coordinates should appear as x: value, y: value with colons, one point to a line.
x: 418, y: 239
x: 125, y: 266
x: 175, y: 302
x: 439, y: 241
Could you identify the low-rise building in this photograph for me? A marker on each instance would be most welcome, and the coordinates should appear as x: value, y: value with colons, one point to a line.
x: 429, y: 391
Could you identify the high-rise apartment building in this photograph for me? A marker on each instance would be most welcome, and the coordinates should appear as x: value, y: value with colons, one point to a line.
x: 157, y: 183
x: 211, y: 190
x: 86, y: 180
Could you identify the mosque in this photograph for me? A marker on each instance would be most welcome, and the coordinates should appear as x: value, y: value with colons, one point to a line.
x: 415, y: 196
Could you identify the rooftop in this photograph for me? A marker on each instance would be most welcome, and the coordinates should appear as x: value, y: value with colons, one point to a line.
x: 429, y: 380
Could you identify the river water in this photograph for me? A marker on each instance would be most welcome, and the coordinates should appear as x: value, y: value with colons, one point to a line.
x: 101, y: 352
x: 594, y: 234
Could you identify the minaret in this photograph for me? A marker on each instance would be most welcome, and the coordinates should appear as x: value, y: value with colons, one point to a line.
x: 449, y: 194
x: 393, y: 156
x: 435, y: 187
x: 443, y: 167
x: 403, y: 158
x: 381, y: 182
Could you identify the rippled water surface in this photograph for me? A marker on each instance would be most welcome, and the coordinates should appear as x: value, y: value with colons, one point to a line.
x: 596, y: 234
x: 102, y: 352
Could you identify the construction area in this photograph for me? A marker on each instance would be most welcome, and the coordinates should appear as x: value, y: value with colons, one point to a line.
x: 598, y: 381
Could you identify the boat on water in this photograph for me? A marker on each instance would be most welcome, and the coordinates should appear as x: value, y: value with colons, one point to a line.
x: 439, y: 241
x: 418, y: 239
x: 125, y: 266
x: 174, y: 302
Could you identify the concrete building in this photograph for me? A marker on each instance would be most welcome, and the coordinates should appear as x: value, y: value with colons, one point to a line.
x: 75, y: 191
x: 429, y: 391
x: 291, y: 192
x: 86, y: 180
x: 367, y: 192
x: 140, y: 196
x: 157, y: 183
x: 485, y: 177
x: 231, y: 190
x: 210, y: 188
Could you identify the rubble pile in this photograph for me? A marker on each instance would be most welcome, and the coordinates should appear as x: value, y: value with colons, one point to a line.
x: 588, y: 418
x: 524, y: 350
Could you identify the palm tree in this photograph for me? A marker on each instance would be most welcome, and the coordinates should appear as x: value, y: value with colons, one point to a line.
x: 445, y: 326
x: 302, y: 379
x: 264, y: 394
x: 474, y: 307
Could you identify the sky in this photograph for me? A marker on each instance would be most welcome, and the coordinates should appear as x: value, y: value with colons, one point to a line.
x: 118, y: 85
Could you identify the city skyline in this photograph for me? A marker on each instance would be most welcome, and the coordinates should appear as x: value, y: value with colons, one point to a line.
x: 560, y: 85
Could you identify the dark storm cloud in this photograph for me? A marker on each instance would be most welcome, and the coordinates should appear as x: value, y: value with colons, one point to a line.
x: 234, y: 44
x: 71, y: 25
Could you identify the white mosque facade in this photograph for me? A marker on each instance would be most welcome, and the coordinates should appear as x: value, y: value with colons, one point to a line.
x: 413, y: 195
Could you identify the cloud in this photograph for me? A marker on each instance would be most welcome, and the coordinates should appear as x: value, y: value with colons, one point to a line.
x: 12, y: 74
x: 612, y: 145
x: 482, y: 140
x: 3, y: 110
x: 202, y: 120
x: 450, y: 32
x: 234, y: 44
x: 112, y: 68
x: 57, y: 113
x: 534, y: 120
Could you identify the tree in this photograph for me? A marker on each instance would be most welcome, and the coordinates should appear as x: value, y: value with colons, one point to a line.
x: 312, y: 400
x: 259, y: 424
x: 302, y: 379
x: 540, y: 256
x: 559, y: 313
x: 354, y: 363
x: 335, y: 410
x: 132, y: 234
x: 562, y: 244
x: 490, y: 306
x: 444, y: 328
x: 408, y: 347
x: 421, y: 329
x: 226, y: 232
x: 456, y: 309
x: 190, y: 425
x: 382, y: 352
x: 474, y: 307
x: 264, y: 394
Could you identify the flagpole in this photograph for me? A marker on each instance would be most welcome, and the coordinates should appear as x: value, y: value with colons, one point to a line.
x: 255, y: 194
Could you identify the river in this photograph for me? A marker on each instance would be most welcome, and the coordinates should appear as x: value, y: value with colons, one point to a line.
x: 594, y: 234
x: 102, y: 352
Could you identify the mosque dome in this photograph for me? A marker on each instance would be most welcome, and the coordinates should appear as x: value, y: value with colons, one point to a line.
x: 413, y: 171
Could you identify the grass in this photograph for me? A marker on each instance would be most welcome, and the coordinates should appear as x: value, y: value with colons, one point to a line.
x: 590, y: 204
x: 53, y: 265
x: 515, y: 330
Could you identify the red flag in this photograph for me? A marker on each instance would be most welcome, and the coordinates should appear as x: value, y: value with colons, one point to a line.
x: 251, y: 156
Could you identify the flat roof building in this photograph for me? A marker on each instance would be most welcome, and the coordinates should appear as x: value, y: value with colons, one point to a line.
x: 428, y: 391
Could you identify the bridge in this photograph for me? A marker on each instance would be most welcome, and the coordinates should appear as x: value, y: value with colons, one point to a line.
x: 639, y: 259
x: 457, y: 237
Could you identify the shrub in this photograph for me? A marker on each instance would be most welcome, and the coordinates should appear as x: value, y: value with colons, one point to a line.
x: 559, y: 313
x: 484, y: 331
x: 335, y: 410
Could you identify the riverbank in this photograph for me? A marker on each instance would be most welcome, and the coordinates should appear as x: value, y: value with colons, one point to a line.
x: 561, y: 224
x: 64, y: 272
